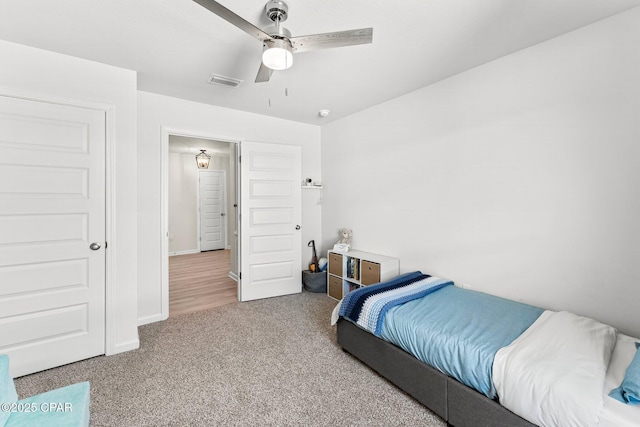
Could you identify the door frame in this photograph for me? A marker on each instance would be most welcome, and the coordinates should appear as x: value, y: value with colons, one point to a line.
x: 164, y: 203
x: 224, y: 208
x: 110, y: 345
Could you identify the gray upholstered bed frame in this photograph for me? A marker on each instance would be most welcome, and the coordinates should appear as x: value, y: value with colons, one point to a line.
x: 458, y: 404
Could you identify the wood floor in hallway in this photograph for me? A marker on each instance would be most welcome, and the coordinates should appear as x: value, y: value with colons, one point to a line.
x: 200, y: 281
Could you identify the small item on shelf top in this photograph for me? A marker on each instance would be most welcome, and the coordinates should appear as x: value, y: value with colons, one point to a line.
x: 344, y: 244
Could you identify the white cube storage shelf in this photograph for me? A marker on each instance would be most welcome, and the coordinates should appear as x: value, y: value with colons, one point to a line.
x: 350, y: 270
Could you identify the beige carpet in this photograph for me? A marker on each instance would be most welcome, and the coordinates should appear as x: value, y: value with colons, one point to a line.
x: 268, y: 362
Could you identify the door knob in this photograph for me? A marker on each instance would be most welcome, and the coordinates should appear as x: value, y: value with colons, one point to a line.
x: 222, y: 214
x: 94, y: 246
x: 297, y: 227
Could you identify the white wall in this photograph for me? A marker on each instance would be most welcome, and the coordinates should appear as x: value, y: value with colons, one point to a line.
x: 519, y: 177
x: 47, y: 74
x: 183, y: 208
x: 158, y: 111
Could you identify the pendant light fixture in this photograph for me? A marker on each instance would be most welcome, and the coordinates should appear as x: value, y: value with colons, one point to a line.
x: 202, y: 160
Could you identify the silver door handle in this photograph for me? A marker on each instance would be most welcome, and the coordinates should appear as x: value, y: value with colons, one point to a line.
x: 94, y: 246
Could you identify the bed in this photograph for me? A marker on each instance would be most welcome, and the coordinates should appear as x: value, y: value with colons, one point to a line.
x: 479, y: 360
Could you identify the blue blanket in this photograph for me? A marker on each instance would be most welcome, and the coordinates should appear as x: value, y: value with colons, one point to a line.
x: 458, y: 332
x: 368, y: 305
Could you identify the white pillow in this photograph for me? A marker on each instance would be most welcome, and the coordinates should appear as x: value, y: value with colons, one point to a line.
x: 553, y: 374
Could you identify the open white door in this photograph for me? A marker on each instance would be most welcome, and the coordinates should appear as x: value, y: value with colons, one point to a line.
x: 212, y: 190
x: 52, y: 233
x: 271, y: 240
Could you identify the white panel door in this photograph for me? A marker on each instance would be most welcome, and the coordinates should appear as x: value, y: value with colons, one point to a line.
x: 212, y: 195
x: 270, y: 220
x: 52, y: 207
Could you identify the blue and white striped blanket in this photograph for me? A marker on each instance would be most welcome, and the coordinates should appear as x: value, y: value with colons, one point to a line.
x: 368, y: 305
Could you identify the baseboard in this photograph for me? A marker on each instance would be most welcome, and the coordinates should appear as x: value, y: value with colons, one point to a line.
x: 187, y: 252
x: 125, y: 346
x: 233, y: 276
x: 150, y: 319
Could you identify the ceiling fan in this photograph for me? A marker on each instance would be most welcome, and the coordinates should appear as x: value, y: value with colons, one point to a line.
x: 278, y: 44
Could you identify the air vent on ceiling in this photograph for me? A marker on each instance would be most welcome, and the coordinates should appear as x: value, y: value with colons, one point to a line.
x: 217, y: 79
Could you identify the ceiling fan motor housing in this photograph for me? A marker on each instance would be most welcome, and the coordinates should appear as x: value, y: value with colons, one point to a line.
x: 278, y: 32
x: 276, y: 10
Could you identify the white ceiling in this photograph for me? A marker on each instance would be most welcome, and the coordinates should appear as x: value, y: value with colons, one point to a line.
x: 175, y: 44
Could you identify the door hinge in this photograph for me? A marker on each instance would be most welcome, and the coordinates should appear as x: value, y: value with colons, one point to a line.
x: 240, y: 275
x: 106, y: 245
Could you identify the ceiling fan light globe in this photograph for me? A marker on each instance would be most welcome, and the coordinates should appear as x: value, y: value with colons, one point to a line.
x: 278, y: 56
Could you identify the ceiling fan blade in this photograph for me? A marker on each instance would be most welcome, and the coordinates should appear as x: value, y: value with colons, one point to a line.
x: 234, y: 19
x: 264, y: 73
x: 328, y: 40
